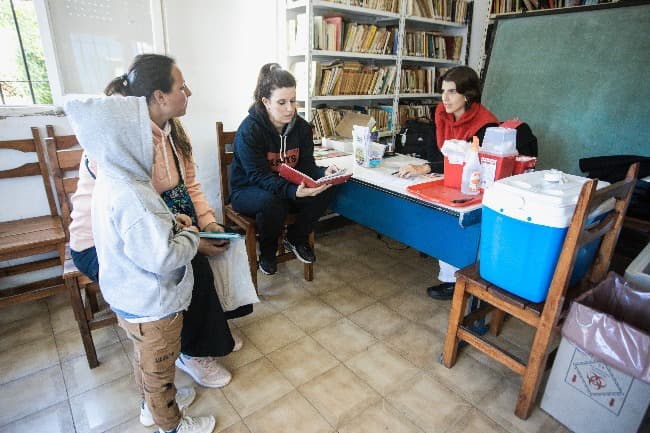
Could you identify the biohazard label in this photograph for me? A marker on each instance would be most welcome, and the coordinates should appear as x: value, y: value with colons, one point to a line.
x: 604, y: 385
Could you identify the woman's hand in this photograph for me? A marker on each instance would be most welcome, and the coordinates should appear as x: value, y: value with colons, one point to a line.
x: 409, y: 170
x: 303, y: 191
x: 331, y: 170
x: 212, y: 247
x: 183, y: 221
x: 214, y: 227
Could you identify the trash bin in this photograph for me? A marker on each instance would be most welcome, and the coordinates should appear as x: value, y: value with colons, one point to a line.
x: 600, y: 380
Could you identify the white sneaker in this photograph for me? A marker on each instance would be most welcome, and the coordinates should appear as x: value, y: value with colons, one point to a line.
x: 205, y: 371
x: 238, y: 342
x: 195, y: 424
x: 184, y: 398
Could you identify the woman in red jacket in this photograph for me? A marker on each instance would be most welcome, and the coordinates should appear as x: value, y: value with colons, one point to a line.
x: 460, y: 116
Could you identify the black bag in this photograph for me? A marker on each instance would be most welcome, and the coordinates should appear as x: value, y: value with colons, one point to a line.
x: 418, y: 138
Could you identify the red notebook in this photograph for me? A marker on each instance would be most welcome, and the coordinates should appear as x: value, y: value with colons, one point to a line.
x: 437, y: 192
x: 296, y: 177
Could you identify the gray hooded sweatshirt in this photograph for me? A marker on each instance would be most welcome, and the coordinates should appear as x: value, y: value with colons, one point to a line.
x: 144, y: 260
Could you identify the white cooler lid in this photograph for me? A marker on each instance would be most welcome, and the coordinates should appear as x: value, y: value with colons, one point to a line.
x: 546, y: 197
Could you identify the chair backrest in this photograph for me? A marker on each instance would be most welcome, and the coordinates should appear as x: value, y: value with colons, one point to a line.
x: 581, y: 232
x: 64, y: 154
x: 225, y: 140
x: 39, y: 168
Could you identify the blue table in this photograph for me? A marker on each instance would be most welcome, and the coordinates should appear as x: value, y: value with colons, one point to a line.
x: 448, y: 234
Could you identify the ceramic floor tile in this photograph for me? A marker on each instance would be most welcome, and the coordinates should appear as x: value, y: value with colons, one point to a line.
x: 438, y: 320
x: 351, y: 270
x: 105, y: 407
x: 272, y: 333
x: 289, y: 414
x: 240, y: 427
x: 211, y: 401
x: 13, y: 313
x: 429, y: 404
x: 80, y: 378
x: 31, y: 394
x: 379, y: 320
x: 62, y: 317
x: 468, y: 378
x: 501, y: 408
x: 302, y: 360
x: 382, y: 368
x: 260, y: 311
x: 417, y: 343
x: 70, y: 346
x: 476, y: 421
x: 346, y: 300
x: 376, y: 288
x: 411, y: 306
x: 381, y: 417
x: 132, y: 426
x: 25, y: 331
x: 284, y: 293
x: 344, y: 339
x: 248, y: 353
x: 311, y: 314
x: 28, y: 358
x: 339, y: 395
x: 54, y: 419
x: 323, y: 282
x: 255, y: 385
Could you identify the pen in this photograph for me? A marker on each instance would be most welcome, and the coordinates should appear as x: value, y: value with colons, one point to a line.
x: 394, y: 173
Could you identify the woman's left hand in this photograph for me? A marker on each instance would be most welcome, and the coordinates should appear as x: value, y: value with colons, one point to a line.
x: 214, y: 227
x: 331, y: 170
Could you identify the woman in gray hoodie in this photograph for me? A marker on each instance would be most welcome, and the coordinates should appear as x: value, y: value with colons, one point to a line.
x: 144, y: 254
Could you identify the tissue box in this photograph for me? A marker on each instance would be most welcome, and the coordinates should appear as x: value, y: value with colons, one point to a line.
x: 500, y: 141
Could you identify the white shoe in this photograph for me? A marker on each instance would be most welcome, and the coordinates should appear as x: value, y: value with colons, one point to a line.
x: 184, y: 398
x: 238, y: 342
x: 195, y: 424
x: 205, y: 371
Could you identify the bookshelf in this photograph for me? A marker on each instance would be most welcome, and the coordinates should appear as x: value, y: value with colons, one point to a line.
x: 382, y: 55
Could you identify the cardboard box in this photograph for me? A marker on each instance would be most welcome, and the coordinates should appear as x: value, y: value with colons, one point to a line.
x: 588, y: 396
x: 344, y: 128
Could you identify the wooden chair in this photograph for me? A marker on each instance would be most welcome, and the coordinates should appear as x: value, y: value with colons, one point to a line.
x: 225, y: 140
x: 30, y: 239
x: 544, y: 317
x: 65, y: 155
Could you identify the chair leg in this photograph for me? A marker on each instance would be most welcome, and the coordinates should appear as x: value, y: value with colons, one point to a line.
x: 309, y: 267
x: 458, y: 307
x: 80, y: 314
x: 496, y: 321
x: 534, y: 369
x: 251, y: 251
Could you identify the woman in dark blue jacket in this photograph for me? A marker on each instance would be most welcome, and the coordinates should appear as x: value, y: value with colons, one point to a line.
x: 273, y: 134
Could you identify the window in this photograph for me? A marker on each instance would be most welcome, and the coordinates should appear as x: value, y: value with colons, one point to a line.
x: 23, y: 75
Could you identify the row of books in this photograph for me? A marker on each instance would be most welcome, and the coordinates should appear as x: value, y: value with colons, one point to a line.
x: 325, y: 120
x: 432, y: 45
x: 416, y: 80
x: 414, y: 111
x: 334, y: 34
x: 381, y: 5
x: 505, y: 6
x: 447, y: 10
x: 354, y: 78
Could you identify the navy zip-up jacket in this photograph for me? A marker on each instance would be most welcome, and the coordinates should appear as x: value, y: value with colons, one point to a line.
x: 260, y: 150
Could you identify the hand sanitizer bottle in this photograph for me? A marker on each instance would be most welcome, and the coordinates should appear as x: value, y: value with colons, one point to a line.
x: 471, y: 178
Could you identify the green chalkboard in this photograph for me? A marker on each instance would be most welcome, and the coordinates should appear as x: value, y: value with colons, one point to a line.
x: 580, y: 79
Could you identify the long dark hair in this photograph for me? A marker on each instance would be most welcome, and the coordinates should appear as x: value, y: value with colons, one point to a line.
x: 467, y: 83
x: 271, y: 77
x: 148, y: 73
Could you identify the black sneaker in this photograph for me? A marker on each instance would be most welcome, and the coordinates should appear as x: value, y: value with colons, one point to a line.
x: 442, y: 292
x: 268, y: 266
x: 302, y: 251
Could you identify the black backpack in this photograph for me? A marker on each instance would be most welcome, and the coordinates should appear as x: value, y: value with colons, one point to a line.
x: 418, y: 138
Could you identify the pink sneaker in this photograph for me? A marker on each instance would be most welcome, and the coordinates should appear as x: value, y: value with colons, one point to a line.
x: 205, y: 371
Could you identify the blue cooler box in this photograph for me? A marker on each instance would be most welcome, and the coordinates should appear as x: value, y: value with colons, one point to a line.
x: 525, y: 220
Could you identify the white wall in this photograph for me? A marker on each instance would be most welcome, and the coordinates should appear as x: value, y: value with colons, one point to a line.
x: 220, y: 47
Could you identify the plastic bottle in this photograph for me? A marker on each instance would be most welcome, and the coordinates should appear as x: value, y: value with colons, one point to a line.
x: 471, y: 178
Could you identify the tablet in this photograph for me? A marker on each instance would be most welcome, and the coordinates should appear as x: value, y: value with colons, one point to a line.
x: 220, y: 235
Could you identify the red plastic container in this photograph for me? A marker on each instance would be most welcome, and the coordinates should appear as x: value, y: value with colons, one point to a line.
x: 495, y: 167
x: 453, y: 174
x: 524, y: 164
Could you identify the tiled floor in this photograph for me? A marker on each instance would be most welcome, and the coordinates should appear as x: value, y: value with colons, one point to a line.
x: 354, y: 351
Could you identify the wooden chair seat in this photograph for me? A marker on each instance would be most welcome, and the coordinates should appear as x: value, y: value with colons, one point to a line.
x: 544, y: 317
x: 90, y: 311
x: 246, y: 223
x: 26, y: 238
